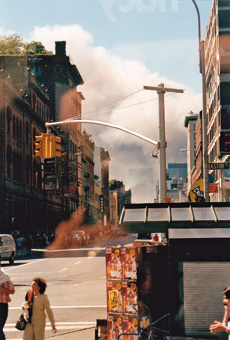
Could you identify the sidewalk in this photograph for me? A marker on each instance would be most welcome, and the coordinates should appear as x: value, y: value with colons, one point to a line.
x: 24, y: 254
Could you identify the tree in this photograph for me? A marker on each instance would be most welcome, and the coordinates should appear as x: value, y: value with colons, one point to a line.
x: 35, y: 47
x: 11, y: 44
x: 14, y: 44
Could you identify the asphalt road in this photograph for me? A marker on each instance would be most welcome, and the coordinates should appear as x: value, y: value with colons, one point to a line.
x: 76, y: 288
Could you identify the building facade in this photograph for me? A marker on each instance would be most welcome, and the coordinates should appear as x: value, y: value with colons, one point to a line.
x: 190, y: 124
x: 176, y: 182
x: 217, y: 80
x: 118, y: 197
x: 35, y: 90
x: 87, y: 152
x: 24, y: 109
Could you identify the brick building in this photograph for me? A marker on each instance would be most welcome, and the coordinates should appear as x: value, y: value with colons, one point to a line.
x: 35, y: 90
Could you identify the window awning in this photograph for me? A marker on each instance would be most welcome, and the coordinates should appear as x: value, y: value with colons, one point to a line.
x: 160, y: 217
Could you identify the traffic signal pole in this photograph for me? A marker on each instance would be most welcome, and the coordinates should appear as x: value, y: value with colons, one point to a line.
x: 162, y: 144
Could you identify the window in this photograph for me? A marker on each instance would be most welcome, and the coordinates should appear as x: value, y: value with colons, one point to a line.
x: 34, y: 135
x: 17, y: 129
x: 225, y: 90
x: 20, y: 130
x: 34, y: 173
x: 28, y: 169
x: 9, y: 118
x: 224, y: 18
x: 9, y: 160
x: 34, y: 101
x: 27, y: 133
x: 13, y: 125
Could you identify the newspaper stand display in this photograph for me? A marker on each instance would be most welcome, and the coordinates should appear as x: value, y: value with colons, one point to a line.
x: 127, y: 317
x: 121, y: 286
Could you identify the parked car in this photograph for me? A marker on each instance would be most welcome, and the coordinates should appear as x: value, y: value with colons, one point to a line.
x: 7, y: 248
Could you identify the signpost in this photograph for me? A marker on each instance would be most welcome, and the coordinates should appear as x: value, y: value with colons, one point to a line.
x: 219, y: 166
x: 50, y: 177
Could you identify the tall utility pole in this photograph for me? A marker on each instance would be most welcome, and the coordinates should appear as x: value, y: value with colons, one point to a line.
x: 162, y: 144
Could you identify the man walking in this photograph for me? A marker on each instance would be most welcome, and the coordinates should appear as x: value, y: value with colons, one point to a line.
x: 6, y: 288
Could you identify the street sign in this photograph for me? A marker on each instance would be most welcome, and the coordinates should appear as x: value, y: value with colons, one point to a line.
x: 219, y: 166
x: 102, y: 203
x: 50, y: 177
x: 213, y: 188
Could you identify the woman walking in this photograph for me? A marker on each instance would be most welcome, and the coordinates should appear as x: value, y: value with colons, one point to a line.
x: 35, y: 329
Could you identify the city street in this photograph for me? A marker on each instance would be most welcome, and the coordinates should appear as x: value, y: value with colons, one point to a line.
x: 76, y: 281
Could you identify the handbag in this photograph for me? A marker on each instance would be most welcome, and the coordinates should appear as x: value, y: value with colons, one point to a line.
x: 21, y: 323
x: 29, y: 298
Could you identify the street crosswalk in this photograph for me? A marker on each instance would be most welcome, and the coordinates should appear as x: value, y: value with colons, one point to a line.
x: 10, y: 327
x: 63, y: 329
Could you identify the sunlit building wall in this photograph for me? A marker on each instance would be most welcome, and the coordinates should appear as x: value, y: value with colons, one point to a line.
x: 217, y: 81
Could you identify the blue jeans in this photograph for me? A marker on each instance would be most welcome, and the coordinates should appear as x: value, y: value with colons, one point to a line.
x: 3, y: 317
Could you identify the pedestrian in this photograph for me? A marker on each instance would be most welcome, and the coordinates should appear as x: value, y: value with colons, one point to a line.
x: 19, y: 241
x: 6, y: 288
x: 29, y: 243
x: 87, y: 239
x: 218, y: 326
x: 155, y: 238
x: 35, y: 329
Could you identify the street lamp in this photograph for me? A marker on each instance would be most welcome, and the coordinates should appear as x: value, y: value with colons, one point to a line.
x: 204, y: 122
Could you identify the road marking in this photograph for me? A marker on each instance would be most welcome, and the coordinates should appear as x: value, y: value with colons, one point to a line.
x: 66, y: 250
x: 25, y: 264
x: 62, y: 270
x: 65, y: 307
x: 74, y: 323
x: 77, y: 262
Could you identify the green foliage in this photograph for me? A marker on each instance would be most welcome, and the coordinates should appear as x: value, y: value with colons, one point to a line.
x: 35, y: 47
x: 11, y: 44
x: 14, y: 44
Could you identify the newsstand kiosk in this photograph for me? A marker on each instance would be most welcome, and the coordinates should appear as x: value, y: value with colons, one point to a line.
x: 172, y: 287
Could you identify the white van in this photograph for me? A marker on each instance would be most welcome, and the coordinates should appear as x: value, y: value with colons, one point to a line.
x: 7, y: 248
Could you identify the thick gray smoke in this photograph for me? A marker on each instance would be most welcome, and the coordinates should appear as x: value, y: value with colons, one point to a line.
x: 108, y: 78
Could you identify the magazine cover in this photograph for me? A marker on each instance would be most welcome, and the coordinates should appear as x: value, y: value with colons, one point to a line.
x: 114, y: 327
x: 113, y: 262
x: 129, y: 262
x: 130, y: 327
x: 114, y: 296
x: 130, y: 297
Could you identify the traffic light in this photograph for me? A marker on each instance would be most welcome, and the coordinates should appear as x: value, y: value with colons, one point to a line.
x: 39, y: 146
x: 55, y: 146
x: 48, y: 146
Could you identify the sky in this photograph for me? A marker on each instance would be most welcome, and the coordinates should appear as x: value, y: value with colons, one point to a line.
x: 119, y: 46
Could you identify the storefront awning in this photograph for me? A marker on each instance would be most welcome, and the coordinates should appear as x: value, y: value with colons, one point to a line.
x: 160, y: 217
